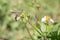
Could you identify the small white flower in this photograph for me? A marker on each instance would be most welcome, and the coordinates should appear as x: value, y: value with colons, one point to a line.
x: 47, y: 19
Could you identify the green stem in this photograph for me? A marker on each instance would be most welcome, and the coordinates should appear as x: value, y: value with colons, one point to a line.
x: 28, y: 29
x: 29, y: 32
x: 37, y: 29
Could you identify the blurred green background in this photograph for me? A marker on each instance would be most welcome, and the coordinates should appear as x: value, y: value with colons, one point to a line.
x: 36, y: 9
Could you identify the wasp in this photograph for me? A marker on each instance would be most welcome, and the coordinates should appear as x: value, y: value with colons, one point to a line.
x: 17, y: 15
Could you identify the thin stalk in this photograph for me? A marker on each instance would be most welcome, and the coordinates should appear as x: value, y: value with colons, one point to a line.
x: 28, y: 29
x: 29, y: 32
x: 45, y: 37
x: 37, y: 30
x: 27, y: 21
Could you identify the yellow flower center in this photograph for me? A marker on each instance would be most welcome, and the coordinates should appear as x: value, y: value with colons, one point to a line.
x: 47, y: 18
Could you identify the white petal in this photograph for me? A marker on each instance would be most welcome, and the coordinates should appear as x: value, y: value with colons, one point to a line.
x: 43, y: 19
x: 52, y: 20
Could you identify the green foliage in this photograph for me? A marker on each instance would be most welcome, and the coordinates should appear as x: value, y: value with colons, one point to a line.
x: 31, y: 28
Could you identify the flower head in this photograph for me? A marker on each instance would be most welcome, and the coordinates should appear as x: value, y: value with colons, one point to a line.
x: 47, y: 19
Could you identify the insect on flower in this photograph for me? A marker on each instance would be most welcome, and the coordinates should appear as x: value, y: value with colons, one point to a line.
x: 17, y: 15
x: 47, y: 19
